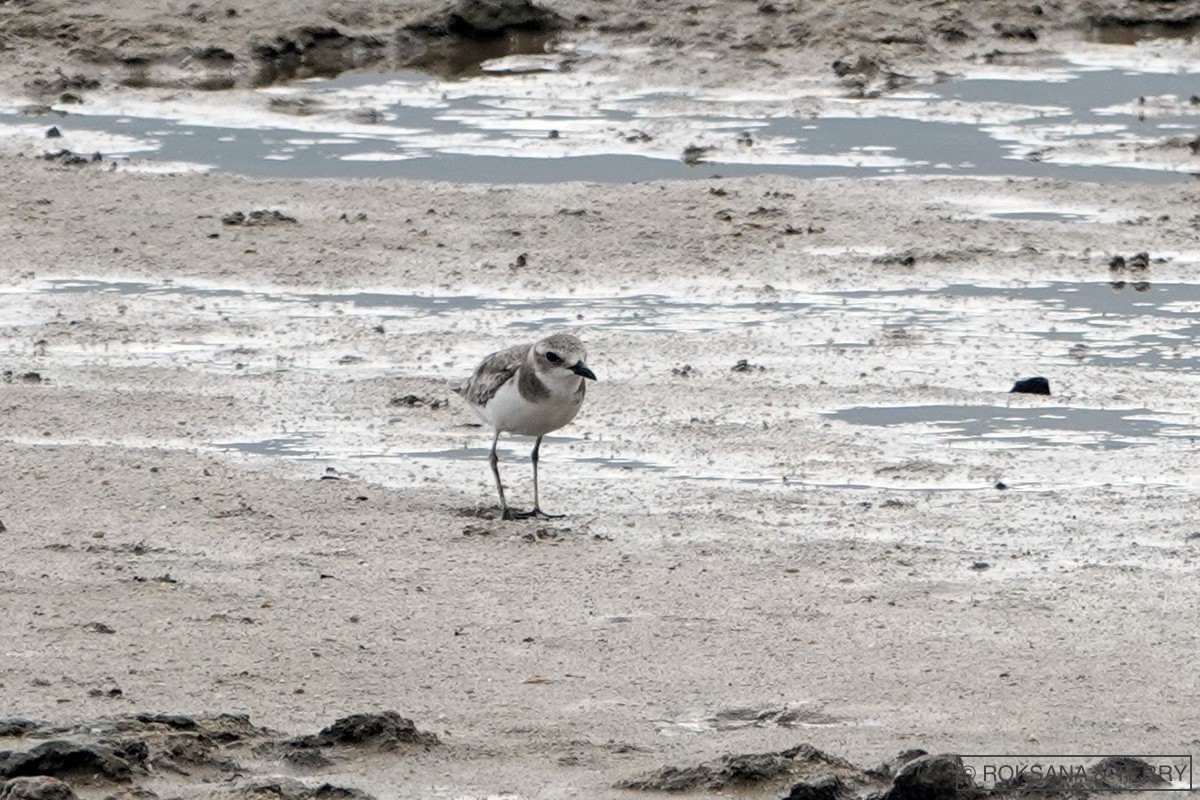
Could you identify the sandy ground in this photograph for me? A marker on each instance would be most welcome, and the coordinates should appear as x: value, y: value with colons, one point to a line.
x: 552, y: 659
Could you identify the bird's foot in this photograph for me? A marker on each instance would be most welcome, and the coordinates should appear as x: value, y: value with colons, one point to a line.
x: 534, y: 513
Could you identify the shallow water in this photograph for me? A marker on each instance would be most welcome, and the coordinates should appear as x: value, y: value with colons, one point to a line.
x: 1075, y: 122
x: 1061, y: 325
x: 1011, y: 426
x: 1138, y: 323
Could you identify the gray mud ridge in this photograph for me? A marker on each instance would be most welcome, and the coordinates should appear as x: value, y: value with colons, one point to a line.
x: 73, y: 48
x: 806, y: 773
x: 126, y: 751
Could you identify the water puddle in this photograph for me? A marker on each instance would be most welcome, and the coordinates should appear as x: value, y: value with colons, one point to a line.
x: 1043, y: 216
x: 1008, y: 426
x: 1118, y: 323
x: 328, y: 446
x: 471, y: 58
x: 296, y: 445
x: 1086, y: 123
x: 1137, y: 326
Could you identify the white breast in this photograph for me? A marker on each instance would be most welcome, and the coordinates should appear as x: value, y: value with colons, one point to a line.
x: 510, y: 412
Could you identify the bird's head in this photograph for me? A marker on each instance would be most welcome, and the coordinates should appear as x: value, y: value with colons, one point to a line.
x: 560, y: 354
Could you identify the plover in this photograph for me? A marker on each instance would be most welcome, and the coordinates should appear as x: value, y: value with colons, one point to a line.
x: 529, y: 390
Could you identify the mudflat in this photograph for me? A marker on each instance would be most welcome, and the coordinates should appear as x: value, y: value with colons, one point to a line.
x: 236, y: 481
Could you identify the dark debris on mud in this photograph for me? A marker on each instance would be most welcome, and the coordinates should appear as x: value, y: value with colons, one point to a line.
x: 748, y: 770
x: 258, y: 218
x: 218, y: 753
x: 806, y: 773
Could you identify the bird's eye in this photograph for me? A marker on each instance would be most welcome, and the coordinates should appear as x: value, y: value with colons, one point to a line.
x: 552, y: 357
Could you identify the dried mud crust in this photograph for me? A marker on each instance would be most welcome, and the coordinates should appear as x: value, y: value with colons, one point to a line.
x: 55, y: 49
x: 226, y: 754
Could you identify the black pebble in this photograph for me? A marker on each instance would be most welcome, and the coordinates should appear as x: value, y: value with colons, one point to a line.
x: 1034, y: 385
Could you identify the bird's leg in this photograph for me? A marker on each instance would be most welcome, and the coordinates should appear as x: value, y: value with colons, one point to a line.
x: 537, y: 511
x: 494, y: 460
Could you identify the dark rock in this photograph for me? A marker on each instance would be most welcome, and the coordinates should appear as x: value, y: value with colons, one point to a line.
x: 823, y: 788
x: 53, y: 132
x: 1138, y: 261
x: 1034, y: 385
x: 36, y: 788
x: 385, y: 729
x: 931, y: 777
x: 889, y: 768
x: 98, y: 627
x: 58, y: 758
x: 743, y: 365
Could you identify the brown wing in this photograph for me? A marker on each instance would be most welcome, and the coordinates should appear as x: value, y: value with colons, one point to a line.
x: 492, y: 373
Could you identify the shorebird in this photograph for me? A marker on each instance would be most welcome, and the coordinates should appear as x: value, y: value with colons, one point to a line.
x: 529, y: 390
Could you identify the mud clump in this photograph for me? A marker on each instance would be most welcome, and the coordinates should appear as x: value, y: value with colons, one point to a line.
x: 481, y: 20
x: 189, y: 753
x: 36, y: 788
x: 749, y: 770
x: 15, y: 727
x: 932, y: 777
x: 71, y: 159
x: 814, y: 775
x: 453, y: 42
x: 1125, y: 773
x: 260, y: 217
x: 315, y: 52
x: 88, y: 762
x: 385, y: 730
x: 288, y: 789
